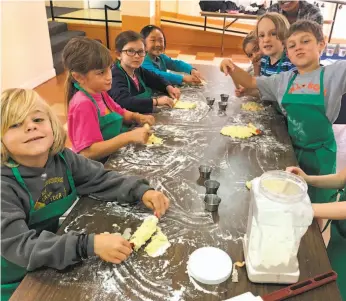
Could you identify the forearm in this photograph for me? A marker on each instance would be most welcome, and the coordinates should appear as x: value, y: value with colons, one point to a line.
x: 130, y: 117
x: 335, y: 211
x: 241, y: 77
x: 334, y: 181
x: 103, y: 149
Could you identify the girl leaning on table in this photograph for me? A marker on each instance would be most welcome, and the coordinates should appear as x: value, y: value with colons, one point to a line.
x: 40, y: 180
x: 335, y: 213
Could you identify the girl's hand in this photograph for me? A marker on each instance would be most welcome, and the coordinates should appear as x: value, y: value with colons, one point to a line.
x: 197, y: 74
x: 165, y: 101
x: 298, y: 171
x: 143, y: 119
x: 227, y: 66
x: 191, y: 79
x: 173, y: 92
x: 112, y: 248
x: 156, y: 201
x: 139, y: 135
x: 240, y: 91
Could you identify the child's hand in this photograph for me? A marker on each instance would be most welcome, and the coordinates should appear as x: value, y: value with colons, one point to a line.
x: 240, y: 91
x: 197, y: 74
x: 227, y: 66
x: 112, y: 248
x: 173, y: 92
x: 297, y: 171
x: 139, y: 135
x: 156, y: 201
x: 165, y: 101
x: 143, y: 119
x: 191, y: 79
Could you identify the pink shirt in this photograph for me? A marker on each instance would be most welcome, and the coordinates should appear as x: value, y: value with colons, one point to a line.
x: 83, y: 124
x: 135, y: 80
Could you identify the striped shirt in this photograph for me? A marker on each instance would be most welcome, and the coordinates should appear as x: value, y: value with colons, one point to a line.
x: 267, y: 69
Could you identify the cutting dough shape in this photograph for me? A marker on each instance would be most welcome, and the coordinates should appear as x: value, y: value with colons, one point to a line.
x: 185, y: 105
x: 242, y: 132
x: 158, y: 244
x: 153, y: 140
x: 252, y: 106
x: 144, y: 232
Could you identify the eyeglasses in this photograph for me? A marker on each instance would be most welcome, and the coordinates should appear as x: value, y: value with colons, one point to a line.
x: 132, y: 52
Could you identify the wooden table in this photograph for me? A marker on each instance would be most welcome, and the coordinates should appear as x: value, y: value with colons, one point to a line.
x: 190, y: 139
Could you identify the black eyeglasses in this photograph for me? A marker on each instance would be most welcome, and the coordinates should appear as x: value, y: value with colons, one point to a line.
x: 132, y: 52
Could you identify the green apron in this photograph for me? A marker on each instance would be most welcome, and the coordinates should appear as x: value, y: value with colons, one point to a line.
x: 312, y: 136
x: 111, y: 125
x: 148, y: 92
x: 337, y: 249
x: 278, y: 70
x: 46, y: 218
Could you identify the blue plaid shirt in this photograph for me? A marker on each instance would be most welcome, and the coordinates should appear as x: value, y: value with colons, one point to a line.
x: 267, y: 69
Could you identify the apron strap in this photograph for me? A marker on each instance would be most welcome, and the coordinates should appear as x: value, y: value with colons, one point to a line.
x: 322, y: 81
x: 162, y: 61
x: 68, y: 172
x: 290, y: 83
x: 78, y: 87
x: 329, y: 221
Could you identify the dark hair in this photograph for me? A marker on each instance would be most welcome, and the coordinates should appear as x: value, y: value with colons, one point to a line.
x: 126, y: 37
x: 146, y: 31
x: 82, y: 55
x: 250, y: 38
x: 307, y: 26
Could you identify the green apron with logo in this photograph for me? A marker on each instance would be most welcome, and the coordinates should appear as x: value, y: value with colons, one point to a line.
x: 312, y: 136
x: 46, y: 218
x: 278, y: 70
x: 148, y: 92
x: 111, y: 125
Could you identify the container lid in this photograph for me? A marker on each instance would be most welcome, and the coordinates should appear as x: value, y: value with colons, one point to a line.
x: 209, y: 265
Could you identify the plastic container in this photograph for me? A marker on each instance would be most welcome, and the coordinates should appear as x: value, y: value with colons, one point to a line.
x: 342, y: 50
x: 280, y: 213
x: 330, y: 49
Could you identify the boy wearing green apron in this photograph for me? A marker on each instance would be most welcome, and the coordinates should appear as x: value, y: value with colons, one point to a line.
x: 40, y: 180
x: 132, y: 85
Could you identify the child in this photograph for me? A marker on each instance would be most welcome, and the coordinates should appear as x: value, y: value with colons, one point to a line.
x: 271, y: 31
x: 311, y: 98
x: 40, y: 180
x: 95, y: 121
x: 156, y: 61
x: 336, y: 213
x: 253, y: 52
x: 132, y: 85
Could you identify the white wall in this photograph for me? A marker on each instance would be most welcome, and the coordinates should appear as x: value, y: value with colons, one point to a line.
x: 25, y: 46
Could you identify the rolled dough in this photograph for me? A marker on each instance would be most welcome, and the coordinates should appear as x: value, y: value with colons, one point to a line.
x: 158, y: 244
x: 184, y: 105
x: 144, y: 232
x: 153, y: 140
x: 252, y: 106
x: 242, y: 132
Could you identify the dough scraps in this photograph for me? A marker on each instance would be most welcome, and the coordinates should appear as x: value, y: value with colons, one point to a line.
x: 153, y: 140
x: 158, y: 244
x: 242, y: 132
x: 248, y: 185
x: 144, y: 232
x: 185, y: 105
x: 252, y: 106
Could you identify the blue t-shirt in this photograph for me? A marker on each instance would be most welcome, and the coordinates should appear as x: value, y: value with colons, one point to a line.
x: 267, y: 69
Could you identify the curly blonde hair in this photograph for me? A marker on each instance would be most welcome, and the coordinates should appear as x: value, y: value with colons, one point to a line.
x: 16, y: 104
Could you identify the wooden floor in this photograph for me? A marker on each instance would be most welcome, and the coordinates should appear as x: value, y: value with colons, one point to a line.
x: 53, y: 91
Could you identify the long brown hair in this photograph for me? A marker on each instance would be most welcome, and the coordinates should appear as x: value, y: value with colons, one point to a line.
x: 82, y: 55
x: 281, y: 24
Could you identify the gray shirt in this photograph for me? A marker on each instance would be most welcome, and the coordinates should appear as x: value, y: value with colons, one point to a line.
x: 274, y: 87
x: 30, y: 249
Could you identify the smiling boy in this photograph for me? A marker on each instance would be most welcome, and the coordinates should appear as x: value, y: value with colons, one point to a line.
x: 310, y: 97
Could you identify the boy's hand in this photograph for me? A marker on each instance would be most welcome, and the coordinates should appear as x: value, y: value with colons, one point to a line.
x: 197, y: 74
x: 240, y: 91
x: 173, y: 92
x: 165, y: 101
x: 112, y: 248
x: 143, y: 119
x: 227, y: 66
x: 156, y: 201
x: 298, y: 171
x: 139, y: 135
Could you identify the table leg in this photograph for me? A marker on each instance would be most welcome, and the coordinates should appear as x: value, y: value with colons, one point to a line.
x: 223, y: 34
x: 205, y: 23
x: 331, y: 30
